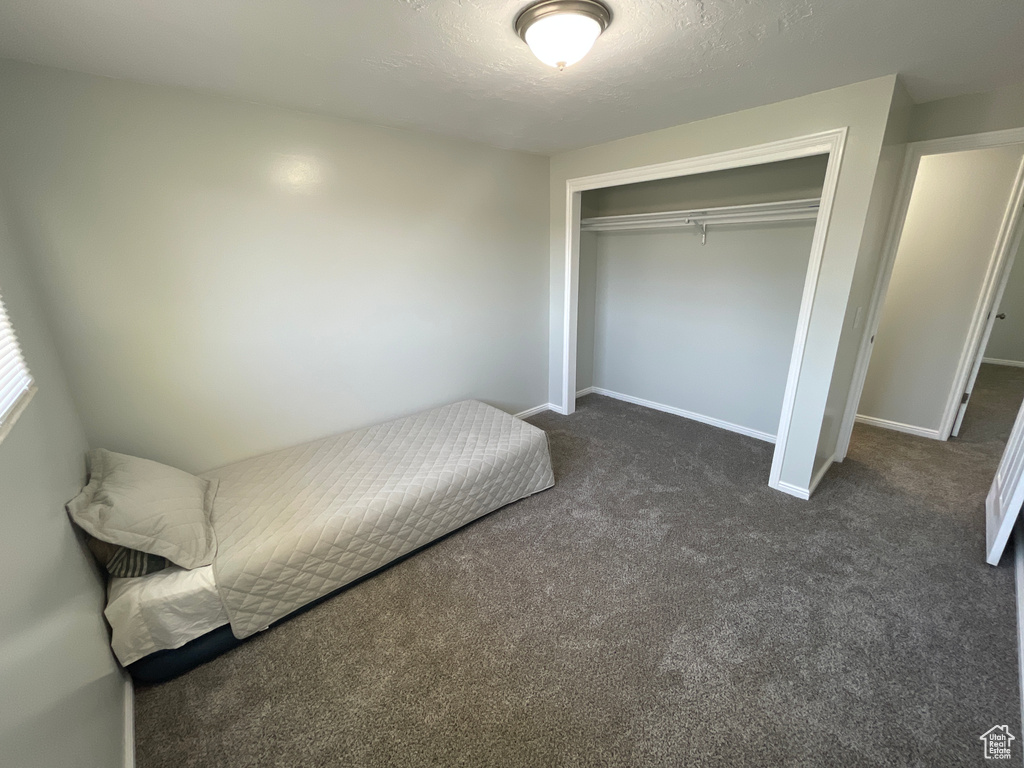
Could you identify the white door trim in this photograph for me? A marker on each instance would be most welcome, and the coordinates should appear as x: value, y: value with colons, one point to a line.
x: 989, y: 313
x: 831, y: 143
x: 894, y: 231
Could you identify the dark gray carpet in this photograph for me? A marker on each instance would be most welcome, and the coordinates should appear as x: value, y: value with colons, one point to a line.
x: 659, y: 607
x: 996, y: 398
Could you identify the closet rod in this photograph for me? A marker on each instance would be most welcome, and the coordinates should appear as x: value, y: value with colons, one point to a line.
x: 757, y: 213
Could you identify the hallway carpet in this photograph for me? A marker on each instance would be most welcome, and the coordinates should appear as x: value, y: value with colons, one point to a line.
x: 660, y: 606
x: 997, y: 396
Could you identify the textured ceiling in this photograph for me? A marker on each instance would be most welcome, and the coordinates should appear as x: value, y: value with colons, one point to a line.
x: 456, y: 67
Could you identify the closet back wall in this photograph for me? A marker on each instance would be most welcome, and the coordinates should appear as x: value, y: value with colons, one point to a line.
x: 226, y: 278
x: 707, y: 329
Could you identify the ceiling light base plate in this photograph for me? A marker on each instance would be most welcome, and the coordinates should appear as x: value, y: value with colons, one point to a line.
x: 595, y: 10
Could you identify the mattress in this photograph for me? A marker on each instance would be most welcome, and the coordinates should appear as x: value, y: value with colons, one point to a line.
x: 297, y: 524
x: 163, y: 610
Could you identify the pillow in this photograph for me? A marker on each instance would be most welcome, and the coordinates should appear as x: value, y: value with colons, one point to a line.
x: 124, y: 562
x: 147, y: 506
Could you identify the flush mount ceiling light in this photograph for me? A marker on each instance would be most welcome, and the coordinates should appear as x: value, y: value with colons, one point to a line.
x: 561, y: 32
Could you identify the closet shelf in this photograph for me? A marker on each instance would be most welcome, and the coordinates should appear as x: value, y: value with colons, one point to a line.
x: 758, y: 213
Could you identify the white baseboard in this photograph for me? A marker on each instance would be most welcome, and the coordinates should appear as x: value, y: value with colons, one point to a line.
x: 582, y: 392
x: 129, y: 723
x: 1018, y: 568
x: 535, y: 410
x: 897, y: 426
x: 793, y: 490
x: 995, y: 361
x: 680, y: 412
x: 821, y: 473
x: 805, y: 493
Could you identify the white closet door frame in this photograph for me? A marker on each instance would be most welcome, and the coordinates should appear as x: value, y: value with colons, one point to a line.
x: 901, y: 204
x: 831, y: 143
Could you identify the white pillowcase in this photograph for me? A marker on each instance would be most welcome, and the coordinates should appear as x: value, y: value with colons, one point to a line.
x: 148, y: 506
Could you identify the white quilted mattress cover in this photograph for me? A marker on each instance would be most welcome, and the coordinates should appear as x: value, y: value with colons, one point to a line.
x: 298, y: 523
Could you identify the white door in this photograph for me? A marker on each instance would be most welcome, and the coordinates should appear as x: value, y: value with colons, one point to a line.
x: 979, y: 355
x: 1007, y: 493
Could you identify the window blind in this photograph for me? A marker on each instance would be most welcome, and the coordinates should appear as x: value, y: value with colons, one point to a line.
x: 15, y: 380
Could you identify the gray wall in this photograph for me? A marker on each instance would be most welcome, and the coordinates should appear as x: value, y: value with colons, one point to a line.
x: 227, y: 278
x: 1007, y: 339
x: 864, y: 109
x: 62, y: 700
x: 995, y: 110
x: 707, y: 329
x: 956, y: 208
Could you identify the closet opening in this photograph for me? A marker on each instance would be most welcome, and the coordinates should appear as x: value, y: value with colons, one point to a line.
x: 689, y: 284
x: 690, y: 291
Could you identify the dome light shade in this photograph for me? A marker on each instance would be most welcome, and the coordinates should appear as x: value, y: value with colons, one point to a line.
x: 561, y: 32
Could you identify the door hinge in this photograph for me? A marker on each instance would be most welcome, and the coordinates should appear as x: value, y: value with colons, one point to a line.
x: 965, y: 398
